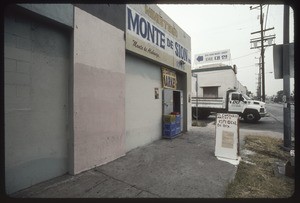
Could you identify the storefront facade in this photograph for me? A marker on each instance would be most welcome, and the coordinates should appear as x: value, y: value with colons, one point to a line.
x: 158, y: 69
x: 79, y: 90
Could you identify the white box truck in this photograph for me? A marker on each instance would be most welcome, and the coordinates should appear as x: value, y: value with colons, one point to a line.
x: 216, y: 89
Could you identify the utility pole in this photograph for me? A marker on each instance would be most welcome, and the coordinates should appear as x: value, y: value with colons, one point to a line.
x: 286, y: 80
x: 261, y: 39
x: 259, y: 78
x: 197, y: 86
x: 262, y: 53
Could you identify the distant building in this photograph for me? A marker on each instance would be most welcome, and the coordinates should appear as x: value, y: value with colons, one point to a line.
x: 215, y: 79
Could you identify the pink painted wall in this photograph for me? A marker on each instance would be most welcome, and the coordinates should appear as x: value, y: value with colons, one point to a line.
x: 99, y: 92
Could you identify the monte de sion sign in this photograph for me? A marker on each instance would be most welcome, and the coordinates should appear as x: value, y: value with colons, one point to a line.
x: 151, y: 33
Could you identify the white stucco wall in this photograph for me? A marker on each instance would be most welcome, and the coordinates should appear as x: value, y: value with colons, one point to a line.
x: 143, y: 111
x: 99, y: 92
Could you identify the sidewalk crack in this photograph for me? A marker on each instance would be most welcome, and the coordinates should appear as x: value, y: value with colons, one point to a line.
x: 134, y: 186
x: 98, y: 183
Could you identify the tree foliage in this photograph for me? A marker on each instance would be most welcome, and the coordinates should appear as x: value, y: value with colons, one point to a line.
x: 278, y: 97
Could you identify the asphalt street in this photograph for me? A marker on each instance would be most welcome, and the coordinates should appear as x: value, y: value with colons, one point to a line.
x: 274, y: 122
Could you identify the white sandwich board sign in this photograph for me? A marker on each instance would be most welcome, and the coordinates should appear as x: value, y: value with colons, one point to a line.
x: 227, y: 136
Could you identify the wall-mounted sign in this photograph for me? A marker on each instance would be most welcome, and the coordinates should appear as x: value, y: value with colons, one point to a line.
x: 156, y: 93
x: 278, y: 60
x: 212, y: 57
x: 151, y: 33
x: 227, y: 136
x: 169, y: 79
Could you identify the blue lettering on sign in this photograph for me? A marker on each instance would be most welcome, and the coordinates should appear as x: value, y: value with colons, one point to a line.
x: 200, y: 58
x: 181, y: 52
x: 224, y: 56
x: 142, y: 27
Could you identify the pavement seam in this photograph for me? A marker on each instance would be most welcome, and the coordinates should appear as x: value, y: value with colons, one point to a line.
x: 98, y: 183
x: 134, y: 186
x: 43, y: 189
x: 139, y: 193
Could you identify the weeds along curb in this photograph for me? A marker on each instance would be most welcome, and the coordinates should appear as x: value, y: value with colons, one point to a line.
x: 256, y: 174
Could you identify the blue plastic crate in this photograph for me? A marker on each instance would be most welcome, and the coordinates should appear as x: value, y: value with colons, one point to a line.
x: 178, y: 119
x: 169, y: 133
x: 169, y: 126
x: 178, y: 125
x: 178, y: 130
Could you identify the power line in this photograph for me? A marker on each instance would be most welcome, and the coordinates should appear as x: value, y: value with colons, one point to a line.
x: 244, y: 67
x: 245, y: 55
x: 239, y: 23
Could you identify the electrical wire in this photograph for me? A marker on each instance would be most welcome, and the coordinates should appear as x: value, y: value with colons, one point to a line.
x: 245, y: 55
x: 244, y: 67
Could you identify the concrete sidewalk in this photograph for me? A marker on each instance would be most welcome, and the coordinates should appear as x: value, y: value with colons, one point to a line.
x: 184, y: 167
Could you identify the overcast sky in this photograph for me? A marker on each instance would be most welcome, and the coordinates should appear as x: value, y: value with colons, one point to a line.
x: 220, y: 27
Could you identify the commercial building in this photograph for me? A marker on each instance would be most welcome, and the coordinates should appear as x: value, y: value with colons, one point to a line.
x: 86, y: 83
x: 215, y: 79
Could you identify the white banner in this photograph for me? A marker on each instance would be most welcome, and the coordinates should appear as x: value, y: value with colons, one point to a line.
x: 212, y: 57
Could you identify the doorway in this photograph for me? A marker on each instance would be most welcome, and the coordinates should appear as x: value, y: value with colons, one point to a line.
x: 173, y: 102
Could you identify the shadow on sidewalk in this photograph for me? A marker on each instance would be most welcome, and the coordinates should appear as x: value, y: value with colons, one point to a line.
x: 183, y: 167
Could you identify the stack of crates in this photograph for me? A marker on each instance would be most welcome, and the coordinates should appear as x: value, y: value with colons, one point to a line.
x: 178, y: 124
x: 171, y: 125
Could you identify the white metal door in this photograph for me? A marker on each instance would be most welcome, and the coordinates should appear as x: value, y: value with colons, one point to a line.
x: 181, y: 109
x: 167, y: 101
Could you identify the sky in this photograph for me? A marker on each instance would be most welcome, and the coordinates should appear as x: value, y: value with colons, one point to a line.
x: 220, y: 27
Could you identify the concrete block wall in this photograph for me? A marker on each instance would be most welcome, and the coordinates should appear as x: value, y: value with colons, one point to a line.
x: 17, y: 84
x: 36, y: 81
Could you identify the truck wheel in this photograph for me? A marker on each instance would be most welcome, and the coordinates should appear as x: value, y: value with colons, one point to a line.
x: 251, y: 116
